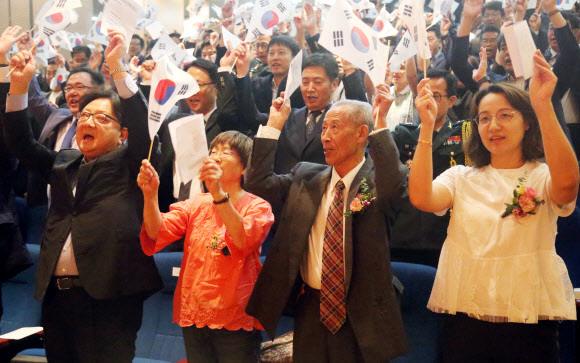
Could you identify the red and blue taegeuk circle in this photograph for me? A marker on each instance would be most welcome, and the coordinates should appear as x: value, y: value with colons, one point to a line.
x: 269, y: 19
x: 359, y: 40
x: 55, y: 18
x: 164, y: 91
x: 378, y: 25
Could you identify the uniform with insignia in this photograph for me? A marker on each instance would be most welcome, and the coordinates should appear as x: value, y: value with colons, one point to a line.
x: 418, y: 236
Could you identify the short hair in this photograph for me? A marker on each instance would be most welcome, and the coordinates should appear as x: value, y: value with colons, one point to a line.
x: 105, y: 94
x: 51, y: 61
x: 493, y: 5
x: 141, y: 41
x: 359, y: 112
x: 205, y: 44
x: 368, y: 21
x: 175, y: 34
x: 435, y: 30
x: 286, y: 41
x: 450, y: 80
x: 572, y: 18
x: 239, y: 142
x: 209, y: 67
x: 151, y: 44
x: 97, y: 78
x: 81, y: 49
x: 490, y: 29
x: 324, y: 60
x: 500, y: 41
x: 532, y: 147
x: 474, y: 61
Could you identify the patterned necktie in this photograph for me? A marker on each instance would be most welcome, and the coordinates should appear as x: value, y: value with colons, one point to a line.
x: 68, y: 137
x: 312, y: 122
x: 332, y: 294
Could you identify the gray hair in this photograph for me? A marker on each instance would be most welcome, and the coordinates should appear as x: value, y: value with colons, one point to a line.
x: 361, y: 113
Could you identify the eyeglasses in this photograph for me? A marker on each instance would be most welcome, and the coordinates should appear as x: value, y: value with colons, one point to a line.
x: 100, y: 118
x: 502, y: 116
x: 205, y: 84
x: 78, y: 88
x: 229, y: 153
x: 438, y: 98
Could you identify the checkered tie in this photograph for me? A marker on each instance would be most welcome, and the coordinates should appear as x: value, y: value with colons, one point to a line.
x: 312, y: 122
x: 332, y: 294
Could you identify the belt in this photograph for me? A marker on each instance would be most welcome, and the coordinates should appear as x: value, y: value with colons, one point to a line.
x: 310, y: 291
x: 65, y: 282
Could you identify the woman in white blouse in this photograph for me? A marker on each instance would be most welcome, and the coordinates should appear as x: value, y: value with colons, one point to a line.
x: 499, y: 281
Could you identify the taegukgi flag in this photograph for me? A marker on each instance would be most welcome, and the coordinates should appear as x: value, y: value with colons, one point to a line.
x: 266, y: 15
x: 169, y: 84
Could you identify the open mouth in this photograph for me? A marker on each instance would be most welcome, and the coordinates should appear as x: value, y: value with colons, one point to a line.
x: 496, y: 138
x: 88, y: 137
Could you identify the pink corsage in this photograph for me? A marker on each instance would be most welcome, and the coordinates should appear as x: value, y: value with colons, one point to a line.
x: 525, y: 200
x: 362, y: 200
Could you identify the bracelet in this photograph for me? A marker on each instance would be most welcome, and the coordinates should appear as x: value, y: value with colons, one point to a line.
x: 553, y: 12
x: 119, y: 69
x: 227, y: 197
x: 425, y: 142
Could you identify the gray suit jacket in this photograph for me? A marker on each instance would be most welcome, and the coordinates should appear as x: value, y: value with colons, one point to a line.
x: 371, y: 303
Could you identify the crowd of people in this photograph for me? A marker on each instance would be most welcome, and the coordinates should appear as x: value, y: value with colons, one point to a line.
x: 462, y: 166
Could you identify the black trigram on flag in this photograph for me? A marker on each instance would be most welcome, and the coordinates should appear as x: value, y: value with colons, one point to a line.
x: 264, y: 3
x: 371, y: 65
x: 256, y: 33
x: 374, y: 43
x: 155, y: 116
x: 61, y: 3
x: 338, y: 38
x: 348, y: 14
x: 407, y: 10
x: 416, y: 34
x: 396, y: 52
x: 162, y: 46
x: 406, y: 42
x: 48, y: 32
x: 183, y: 90
x: 281, y: 7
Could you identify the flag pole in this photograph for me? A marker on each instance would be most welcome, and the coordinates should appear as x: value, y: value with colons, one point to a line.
x: 233, y: 65
x: 31, y: 50
x: 424, y: 62
x: 150, y: 149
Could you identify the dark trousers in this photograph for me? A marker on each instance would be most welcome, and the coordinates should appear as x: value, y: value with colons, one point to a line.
x: 468, y: 340
x: 221, y: 345
x: 313, y: 342
x: 78, y: 328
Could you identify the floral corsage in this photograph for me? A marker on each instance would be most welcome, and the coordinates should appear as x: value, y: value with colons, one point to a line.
x: 215, y: 245
x: 362, y: 200
x: 525, y: 200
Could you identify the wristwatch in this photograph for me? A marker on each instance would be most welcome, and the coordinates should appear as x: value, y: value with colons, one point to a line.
x: 227, y: 197
x: 553, y: 12
x: 482, y: 81
x: 119, y: 69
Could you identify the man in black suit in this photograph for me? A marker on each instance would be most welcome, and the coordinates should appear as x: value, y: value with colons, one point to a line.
x: 330, y: 246
x: 92, y: 274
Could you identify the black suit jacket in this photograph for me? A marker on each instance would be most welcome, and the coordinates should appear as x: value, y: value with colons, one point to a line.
x: 104, y: 216
x: 262, y: 91
x: 371, y: 304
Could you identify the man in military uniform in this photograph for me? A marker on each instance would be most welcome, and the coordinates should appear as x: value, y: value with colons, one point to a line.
x: 417, y: 236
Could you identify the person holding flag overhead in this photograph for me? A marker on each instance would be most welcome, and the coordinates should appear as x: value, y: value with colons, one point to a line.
x: 92, y: 275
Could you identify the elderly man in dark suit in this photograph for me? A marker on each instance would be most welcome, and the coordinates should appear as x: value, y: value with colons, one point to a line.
x: 92, y: 274
x: 330, y: 257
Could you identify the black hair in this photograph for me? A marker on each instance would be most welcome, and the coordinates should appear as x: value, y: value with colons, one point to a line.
x: 450, y: 80
x: 571, y: 17
x: 81, y: 49
x: 106, y: 94
x: 435, y: 30
x: 141, y: 41
x: 287, y: 42
x: 175, y: 35
x: 500, y: 41
x: 492, y: 5
x: 209, y: 67
x: 97, y: 78
x: 324, y: 60
x: 237, y: 141
x: 490, y: 29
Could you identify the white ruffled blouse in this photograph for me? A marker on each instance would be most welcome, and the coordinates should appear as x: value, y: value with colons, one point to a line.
x: 501, y: 269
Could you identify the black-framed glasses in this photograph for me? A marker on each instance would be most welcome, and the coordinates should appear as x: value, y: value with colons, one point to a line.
x: 502, y: 116
x: 205, y: 84
x: 78, y: 88
x: 439, y: 97
x: 100, y: 118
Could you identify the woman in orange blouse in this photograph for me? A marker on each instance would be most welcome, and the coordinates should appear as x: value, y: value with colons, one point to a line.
x: 223, y: 230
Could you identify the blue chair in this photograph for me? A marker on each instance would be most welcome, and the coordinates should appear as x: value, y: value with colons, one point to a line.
x: 422, y: 326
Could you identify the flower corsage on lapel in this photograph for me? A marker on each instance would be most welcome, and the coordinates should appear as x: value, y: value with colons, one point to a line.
x: 363, y: 199
x: 215, y: 245
x: 525, y: 200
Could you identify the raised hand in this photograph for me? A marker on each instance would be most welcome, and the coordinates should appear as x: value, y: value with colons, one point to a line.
x: 242, y: 52
x: 520, y: 9
x: 279, y: 112
x: 535, y: 22
x: 482, y: 70
x: 426, y: 104
x: 134, y: 65
x: 227, y: 15
x: 211, y: 174
x: 309, y: 20
x: 148, y: 179
x: 147, y: 69
x: 472, y: 8
x: 7, y: 39
x: 116, y: 49
x: 95, y: 59
x: 22, y: 66
x: 60, y: 61
x: 26, y: 42
x: 445, y: 25
x: 542, y: 83
x: 381, y: 105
